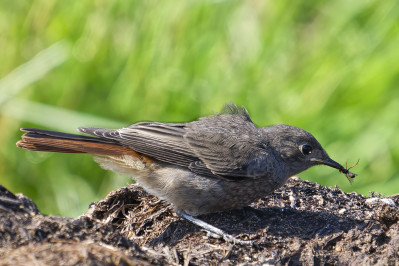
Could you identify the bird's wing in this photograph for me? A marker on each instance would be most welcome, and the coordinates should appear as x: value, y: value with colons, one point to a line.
x: 222, y: 145
x: 161, y: 141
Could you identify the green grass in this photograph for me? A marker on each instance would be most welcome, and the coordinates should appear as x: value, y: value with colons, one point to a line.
x: 328, y: 67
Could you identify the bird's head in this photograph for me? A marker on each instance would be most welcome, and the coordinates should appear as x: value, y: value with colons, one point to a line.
x: 298, y: 149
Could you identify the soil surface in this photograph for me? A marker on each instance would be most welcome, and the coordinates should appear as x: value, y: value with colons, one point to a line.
x: 301, y: 224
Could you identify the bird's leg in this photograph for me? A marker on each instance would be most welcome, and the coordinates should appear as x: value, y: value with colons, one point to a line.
x: 212, y: 229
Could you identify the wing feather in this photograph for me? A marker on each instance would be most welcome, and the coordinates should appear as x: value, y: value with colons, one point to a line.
x: 223, y: 145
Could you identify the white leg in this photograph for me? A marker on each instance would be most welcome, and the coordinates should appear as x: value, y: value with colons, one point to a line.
x: 214, y: 230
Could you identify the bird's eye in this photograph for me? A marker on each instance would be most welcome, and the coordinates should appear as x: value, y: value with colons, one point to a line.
x: 305, y: 149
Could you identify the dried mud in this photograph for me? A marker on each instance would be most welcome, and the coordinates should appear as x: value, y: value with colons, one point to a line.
x: 301, y: 224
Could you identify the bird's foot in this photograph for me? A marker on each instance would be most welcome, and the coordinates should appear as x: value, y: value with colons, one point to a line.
x: 214, y: 230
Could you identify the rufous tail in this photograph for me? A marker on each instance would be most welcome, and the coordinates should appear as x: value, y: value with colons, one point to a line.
x: 53, y: 141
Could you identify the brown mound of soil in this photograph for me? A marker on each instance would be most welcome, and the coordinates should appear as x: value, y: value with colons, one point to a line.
x: 302, y: 223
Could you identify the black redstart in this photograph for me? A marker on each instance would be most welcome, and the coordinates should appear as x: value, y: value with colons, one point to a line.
x: 219, y: 162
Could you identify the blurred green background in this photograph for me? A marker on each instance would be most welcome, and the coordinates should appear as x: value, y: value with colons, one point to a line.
x: 330, y: 67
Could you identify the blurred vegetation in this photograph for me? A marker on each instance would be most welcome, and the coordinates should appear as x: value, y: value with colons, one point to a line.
x: 330, y: 67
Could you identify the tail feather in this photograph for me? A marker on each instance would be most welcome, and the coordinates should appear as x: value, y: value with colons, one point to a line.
x: 53, y: 141
x: 42, y: 133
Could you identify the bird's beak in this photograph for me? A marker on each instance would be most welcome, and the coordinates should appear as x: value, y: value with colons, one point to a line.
x: 329, y: 162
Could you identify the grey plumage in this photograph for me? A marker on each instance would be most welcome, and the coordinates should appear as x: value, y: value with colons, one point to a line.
x: 218, y: 162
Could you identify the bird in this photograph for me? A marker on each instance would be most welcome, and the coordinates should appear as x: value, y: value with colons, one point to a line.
x: 216, y: 163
